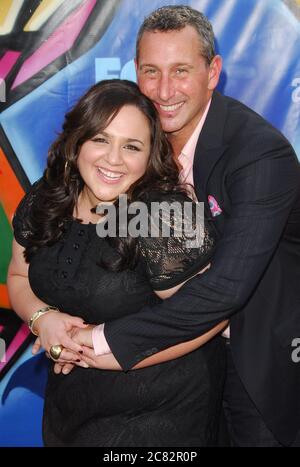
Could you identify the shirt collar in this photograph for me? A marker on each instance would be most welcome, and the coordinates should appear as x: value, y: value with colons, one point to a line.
x: 189, y: 148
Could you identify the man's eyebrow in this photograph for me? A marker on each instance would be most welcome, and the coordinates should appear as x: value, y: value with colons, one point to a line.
x: 150, y: 65
x: 147, y: 64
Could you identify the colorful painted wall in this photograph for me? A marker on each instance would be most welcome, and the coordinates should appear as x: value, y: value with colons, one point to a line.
x: 51, y: 51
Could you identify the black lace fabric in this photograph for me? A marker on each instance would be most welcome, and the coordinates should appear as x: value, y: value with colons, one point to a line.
x: 180, y: 242
x: 172, y: 404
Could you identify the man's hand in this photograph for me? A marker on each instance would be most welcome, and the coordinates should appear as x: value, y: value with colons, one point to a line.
x: 102, y: 362
x: 83, y: 337
x: 66, y: 368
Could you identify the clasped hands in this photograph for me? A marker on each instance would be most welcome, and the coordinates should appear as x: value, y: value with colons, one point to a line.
x: 73, y: 335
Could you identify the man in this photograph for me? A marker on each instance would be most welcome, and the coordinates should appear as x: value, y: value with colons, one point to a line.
x: 248, y: 174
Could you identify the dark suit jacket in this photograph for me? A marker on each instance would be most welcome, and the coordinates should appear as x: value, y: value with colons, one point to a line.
x: 253, y: 173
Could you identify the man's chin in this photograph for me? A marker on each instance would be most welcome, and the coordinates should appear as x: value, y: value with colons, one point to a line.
x: 170, y: 125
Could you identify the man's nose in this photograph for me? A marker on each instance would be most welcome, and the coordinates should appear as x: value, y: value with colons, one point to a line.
x: 165, y: 88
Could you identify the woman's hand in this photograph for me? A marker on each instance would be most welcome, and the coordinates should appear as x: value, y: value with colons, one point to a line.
x: 53, y: 329
x: 66, y: 362
x: 89, y: 360
x: 81, y: 337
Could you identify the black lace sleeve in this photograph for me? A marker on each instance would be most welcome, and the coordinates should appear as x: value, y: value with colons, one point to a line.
x: 179, y: 243
x: 19, y: 222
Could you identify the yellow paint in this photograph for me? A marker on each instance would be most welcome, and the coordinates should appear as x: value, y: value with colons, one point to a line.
x: 4, y: 9
x: 45, y: 9
x: 9, y: 10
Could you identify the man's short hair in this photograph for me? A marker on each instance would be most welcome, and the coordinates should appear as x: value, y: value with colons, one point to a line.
x: 175, y: 18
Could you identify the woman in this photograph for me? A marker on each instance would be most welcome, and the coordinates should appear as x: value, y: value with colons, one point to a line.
x: 112, y: 143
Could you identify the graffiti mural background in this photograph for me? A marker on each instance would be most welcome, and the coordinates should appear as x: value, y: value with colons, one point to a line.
x: 51, y: 51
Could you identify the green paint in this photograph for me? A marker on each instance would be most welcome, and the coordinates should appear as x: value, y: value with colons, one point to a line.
x: 6, y: 237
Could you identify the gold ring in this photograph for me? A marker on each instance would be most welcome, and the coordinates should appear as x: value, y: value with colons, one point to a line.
x: 55, y: 351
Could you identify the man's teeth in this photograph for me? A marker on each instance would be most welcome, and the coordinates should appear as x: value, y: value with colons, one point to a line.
x: 109, y: 174
x: 170, y: 108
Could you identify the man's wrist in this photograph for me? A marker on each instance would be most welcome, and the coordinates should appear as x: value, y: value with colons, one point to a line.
x: 100, y: 344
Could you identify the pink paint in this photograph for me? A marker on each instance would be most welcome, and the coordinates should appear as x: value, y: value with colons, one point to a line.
x: 7, y: 62
x: 57, y: 44
x: 1, y: 328
x: 15, y: 344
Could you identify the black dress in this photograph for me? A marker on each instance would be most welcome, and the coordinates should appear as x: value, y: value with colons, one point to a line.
x: 176, y: 403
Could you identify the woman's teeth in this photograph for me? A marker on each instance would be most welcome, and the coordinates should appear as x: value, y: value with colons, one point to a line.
x: 109, y: 174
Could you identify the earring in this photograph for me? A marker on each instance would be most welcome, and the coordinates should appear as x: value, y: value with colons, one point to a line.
x: 66, y: 173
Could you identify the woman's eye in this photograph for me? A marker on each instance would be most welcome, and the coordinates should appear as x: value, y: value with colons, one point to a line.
x: 99, y: 139
x: 132, y: 147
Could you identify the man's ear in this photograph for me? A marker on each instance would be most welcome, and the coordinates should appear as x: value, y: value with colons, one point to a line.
x: 215, y: 69
x: 136, y: 69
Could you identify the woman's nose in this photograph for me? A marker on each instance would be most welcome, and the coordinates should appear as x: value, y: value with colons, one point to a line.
x: 114, y: 155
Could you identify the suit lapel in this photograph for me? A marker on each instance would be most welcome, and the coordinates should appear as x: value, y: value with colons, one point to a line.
x: 210, y: 146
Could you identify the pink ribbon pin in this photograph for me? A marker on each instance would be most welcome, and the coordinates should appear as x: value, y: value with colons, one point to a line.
x: 214, y: 207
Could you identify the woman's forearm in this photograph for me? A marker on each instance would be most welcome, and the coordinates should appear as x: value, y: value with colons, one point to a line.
x: 24, y: 302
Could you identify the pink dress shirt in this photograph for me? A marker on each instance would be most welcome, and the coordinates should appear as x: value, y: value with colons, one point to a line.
x: 186, y: 157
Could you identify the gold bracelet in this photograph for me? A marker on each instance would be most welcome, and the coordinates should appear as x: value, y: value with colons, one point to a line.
x: 37, y: 314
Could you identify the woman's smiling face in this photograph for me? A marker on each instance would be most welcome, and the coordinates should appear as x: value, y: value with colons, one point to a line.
x: 117, y: 157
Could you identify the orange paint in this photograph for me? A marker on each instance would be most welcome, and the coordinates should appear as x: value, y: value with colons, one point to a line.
x: 11, y: 191
x: 4, y: 300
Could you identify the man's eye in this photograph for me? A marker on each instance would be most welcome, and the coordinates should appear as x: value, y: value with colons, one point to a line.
x: 150, y: 71
x: 181, y: 71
